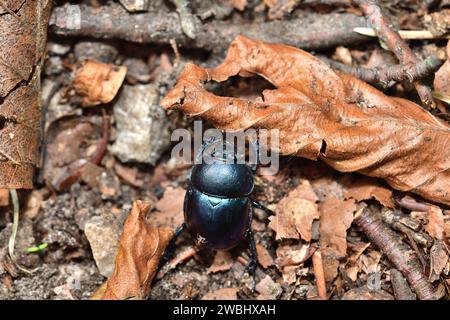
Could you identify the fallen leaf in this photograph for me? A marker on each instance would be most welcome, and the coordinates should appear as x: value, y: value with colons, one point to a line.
x: 295, y: 213
x: 269, y: 289
x: 238, y: 4
x: 169, y: 209
x: 288, y: 255
x: 140, y: 250
x: 264, y: 257
x: 438, y: 260
x: 323, y: 114
x: 222, y: 294
x: 441, y: 83
x: 98, y: 82
x: 336, y: 216
x: 128, y: 174
x: 23, y: 34
x: 223, y: 261
x: 368, y: 188
x: 363, y: 293
x: 435, y: 225
x: 4, y: 197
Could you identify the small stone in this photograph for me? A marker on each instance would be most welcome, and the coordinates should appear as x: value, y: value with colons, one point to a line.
x: 103, y: 233
x: 142, y: 125
x: 95, y: 50
x: 135, y: 5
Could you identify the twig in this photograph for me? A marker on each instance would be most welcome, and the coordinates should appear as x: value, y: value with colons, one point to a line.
x: 405, y: 34
x: 385, y: 75
x: 396, y: 44
x: 320, y: 275
x: 399, y: 253
x: 410, y: 203
x: 113, y: 22
x: 402, y: 291
x: 15, y: 226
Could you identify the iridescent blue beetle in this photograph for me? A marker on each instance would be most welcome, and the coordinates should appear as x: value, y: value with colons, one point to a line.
x: 218, y: 209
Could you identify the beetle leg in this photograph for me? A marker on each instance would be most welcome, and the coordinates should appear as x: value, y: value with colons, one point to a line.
x: 258, y: 205
x: 251, y: 267
x: 171, y: 246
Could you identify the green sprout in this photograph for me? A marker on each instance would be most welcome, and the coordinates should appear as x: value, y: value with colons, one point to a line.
x: 37, y: 249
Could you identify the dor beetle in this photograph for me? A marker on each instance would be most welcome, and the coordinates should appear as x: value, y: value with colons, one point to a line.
x: 218, y: 209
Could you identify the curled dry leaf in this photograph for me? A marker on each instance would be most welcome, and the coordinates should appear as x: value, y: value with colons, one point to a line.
x: 323, y: 114
x: 295, y: 213
x: 368, y: 188
x: 98, y: 82
x: 140, y: 250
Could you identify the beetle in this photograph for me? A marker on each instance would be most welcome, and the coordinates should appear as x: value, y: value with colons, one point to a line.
x: 218, y: 208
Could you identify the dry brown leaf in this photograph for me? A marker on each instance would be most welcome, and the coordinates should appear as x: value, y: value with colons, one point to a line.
x: 363, y: 293
x: 269, y: 289
x: 336, y: 216
x: 288, y: 255
x: 368, y: 188
x: 264, y: 257
x: 169, y: 209
x: 23, y: 34
x: 223, y: 261
x: 4, y: 197
x: 442, y: 76
x: 435, y: 225
x: 295, y: 213
x: 140, y: 250
x: 238, y: 4
x: 438, y: 259
x: 98, y: 82
x: 322, y: 114
x: 222, y: 294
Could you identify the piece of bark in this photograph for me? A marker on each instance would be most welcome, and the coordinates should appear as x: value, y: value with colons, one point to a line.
x: 23, y: 34
x: 398, y: 252
x: 314, y: 32
x: 140, y: 250
x: 321, y: 114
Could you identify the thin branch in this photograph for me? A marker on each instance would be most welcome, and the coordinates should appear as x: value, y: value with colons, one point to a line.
x: 398, y: 252
x: 386, y: 75
x: 111, y: 21
x: 396, y: 44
